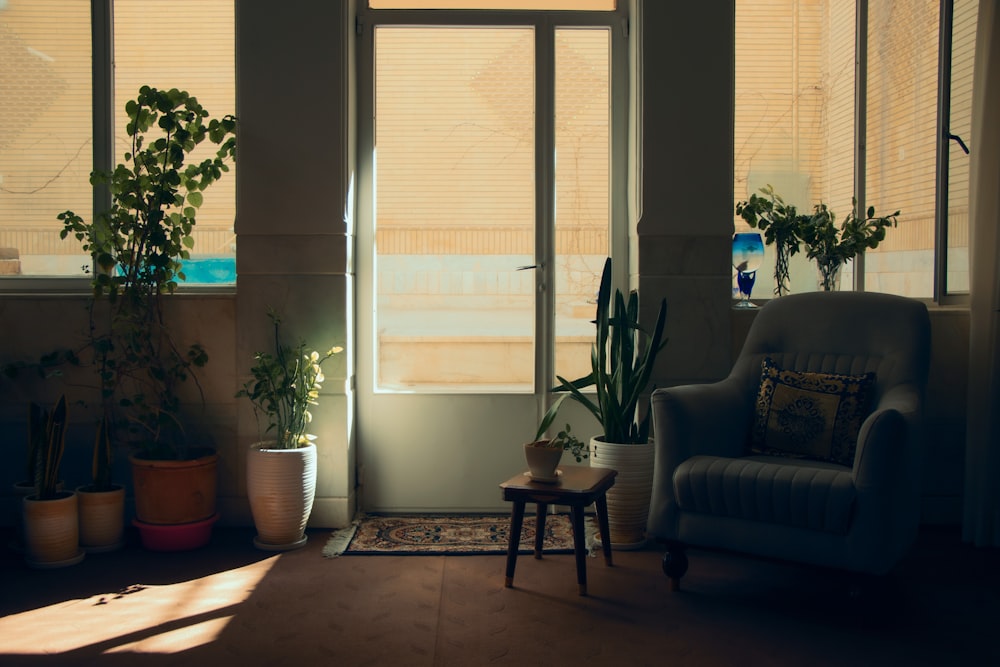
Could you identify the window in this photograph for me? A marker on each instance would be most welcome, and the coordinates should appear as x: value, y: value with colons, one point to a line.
x: 467, y: 187
x: 47, y: 135
x: 802, y: 127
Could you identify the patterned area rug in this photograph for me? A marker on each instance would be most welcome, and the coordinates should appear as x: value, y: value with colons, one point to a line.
x: 447, y: 535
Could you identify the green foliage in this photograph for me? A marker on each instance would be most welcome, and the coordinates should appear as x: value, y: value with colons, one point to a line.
x: 568, y: 442
x: 779, y: 222
x: 284, y: 385
x: 138, y: 245
x: 832, y: 246
x: 826, y: 243
x: 46, y: 444
x: 622, y: 359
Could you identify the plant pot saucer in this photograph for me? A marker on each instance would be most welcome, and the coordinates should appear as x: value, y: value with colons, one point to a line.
x: 544, y: 480
x: 289, y: 546
x: 175, y: 537
x: 51, y: 565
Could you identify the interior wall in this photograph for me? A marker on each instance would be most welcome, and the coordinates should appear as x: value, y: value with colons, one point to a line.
x: 295, y: 104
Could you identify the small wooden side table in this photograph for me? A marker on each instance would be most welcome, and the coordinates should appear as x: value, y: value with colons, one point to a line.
x: 577, y: 487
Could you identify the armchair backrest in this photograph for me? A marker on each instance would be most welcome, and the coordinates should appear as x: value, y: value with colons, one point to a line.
x: 841, y: 332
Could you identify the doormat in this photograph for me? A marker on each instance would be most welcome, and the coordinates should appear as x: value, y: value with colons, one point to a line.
x: 449, y: 535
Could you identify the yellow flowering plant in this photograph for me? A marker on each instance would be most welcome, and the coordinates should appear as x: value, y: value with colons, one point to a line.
x: 285, y: 384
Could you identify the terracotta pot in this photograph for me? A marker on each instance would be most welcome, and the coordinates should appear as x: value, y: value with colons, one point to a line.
x: 102, y: 518
x: 281, y: 485
x: 542, y: 460
x: 172, y: 491
x: 51, y: 531
x: 628, y: 499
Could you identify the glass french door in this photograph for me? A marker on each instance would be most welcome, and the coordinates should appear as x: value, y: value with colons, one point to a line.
x: 483, y: 228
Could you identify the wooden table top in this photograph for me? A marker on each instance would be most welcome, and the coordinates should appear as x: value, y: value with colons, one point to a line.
x: 573, y: 481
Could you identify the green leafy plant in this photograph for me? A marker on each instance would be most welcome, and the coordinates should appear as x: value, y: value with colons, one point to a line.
x: 622, y: 360
x: 566, y: 441
x: 46, y: 445
x: 285, y: 384
x: 139, y: 244
x: 832, y: 246
x: 779, y: 222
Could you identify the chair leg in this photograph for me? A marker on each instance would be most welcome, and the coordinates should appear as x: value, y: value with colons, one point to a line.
x: 675, y: 563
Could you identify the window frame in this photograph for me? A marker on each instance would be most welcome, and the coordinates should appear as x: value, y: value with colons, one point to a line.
x: 939, y: 280
x: 939, y: 290
x: 548, y: 21
x: 103, y: 127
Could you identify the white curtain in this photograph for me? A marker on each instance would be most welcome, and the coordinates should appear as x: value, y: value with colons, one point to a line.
x: 981, y: 524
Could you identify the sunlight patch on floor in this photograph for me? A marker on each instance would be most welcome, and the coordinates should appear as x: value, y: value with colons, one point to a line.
x: 133, y: 619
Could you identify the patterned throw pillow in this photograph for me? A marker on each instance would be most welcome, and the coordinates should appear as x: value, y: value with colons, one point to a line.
x: 810, y: 415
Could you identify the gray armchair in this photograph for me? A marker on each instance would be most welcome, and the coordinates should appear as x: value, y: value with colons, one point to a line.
x: 717, y: 483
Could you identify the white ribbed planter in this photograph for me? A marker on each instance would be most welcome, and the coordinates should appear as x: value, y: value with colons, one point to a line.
x: 102, y: 519
x: 281, y: 485
x: 51, y: 531
x: 628, y: 499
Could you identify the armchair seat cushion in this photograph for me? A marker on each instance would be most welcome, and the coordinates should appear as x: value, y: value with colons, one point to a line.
x: 806, y: 494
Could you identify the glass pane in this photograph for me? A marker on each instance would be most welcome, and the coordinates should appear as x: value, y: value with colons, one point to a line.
x: 962, y: 57
x: 794, y: 115
x: 583, y: 201
x: 45, y: 134
x: 901, y: 138
x: 200, y: 60
x: 454, y: 202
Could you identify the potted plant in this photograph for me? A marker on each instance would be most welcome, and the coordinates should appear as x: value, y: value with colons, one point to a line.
x: 543, y: 454
x: 779, y: 223
x: 281, y: 472
x: 51, y: 529
x: 139, y: 244
x: 832, y: 247
x: 102, y: 502
x: 622, y: 360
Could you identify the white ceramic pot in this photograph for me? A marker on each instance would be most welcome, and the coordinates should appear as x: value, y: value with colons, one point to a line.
x: 102, y: 518
x: 51, y: 531
x: 628, y: 499
x: 281, y: 485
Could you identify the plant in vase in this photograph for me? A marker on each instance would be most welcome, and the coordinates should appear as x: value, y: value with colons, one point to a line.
x: 543, y: 454
x: 779, y: 223
x: 50, y: 515
x: 281, y: 473
x: 622, y: 357
x: 831, y: 246
x: 139, y: 243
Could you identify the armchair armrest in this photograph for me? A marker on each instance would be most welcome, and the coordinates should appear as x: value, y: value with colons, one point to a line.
x: 711, y: 419
x: 689, y: 420
x: 891, y: 428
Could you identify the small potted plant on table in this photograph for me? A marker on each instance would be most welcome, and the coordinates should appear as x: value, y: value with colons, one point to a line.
x: 543, y: 454
x: 281, y: 473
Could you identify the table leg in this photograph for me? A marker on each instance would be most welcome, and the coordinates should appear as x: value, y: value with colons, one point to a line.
x: 601, y: 505
x: 543, y: 509
x: 514, y: 540
x: 580, y: 548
